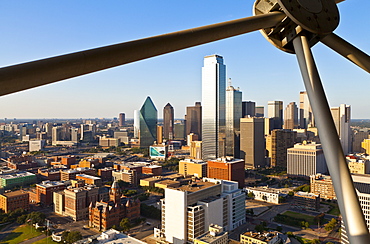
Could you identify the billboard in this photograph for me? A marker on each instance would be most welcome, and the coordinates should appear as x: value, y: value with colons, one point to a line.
x: 158, y: 152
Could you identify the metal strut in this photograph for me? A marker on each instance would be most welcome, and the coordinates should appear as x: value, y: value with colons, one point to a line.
x: 347, y: 198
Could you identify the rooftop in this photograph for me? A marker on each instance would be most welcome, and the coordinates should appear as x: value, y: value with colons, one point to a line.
x: 50, y: 183
x: 89, y: 176
x: 16, y: 175
x: 14, y: 193
x: 194, y: 187
x: 266, y: 236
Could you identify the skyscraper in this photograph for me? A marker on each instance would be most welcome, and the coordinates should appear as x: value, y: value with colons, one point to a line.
x: 252, y: 142
x: 233, y: 115
x: 136, y: 123
x: 194, y: 120
x: 342, y: 118
x: 291, y: 116
x: 121, y: 119
x: 213, y: 112
x: 275, y: 111
x: 248, y: 108
x: 168, y: 120
x: 148, y: 123
x: 260, y: 111
x: 306, y: 118
x: 277, y: 144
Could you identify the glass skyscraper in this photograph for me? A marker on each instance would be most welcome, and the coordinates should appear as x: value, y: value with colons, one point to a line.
x: 233, y: 115
x: 148, y: 123
x: 213, y: 111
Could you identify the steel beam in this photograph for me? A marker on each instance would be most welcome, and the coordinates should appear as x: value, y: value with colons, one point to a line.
x: 37, y: 73
x: 346, y: 195
x: 347, y: 50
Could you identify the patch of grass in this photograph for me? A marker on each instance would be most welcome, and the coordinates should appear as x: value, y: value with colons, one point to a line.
x: 22, y: 233
x: 48, y: 240
x: 308, y: 218
x: 334, y: 210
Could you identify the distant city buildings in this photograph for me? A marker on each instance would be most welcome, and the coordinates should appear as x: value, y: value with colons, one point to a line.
x: 194, y: 120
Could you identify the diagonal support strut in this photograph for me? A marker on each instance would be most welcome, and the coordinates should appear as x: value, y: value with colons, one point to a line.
x: 343, y: 185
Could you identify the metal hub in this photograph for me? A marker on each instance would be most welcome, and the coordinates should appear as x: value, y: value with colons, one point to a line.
x: 315, y: 18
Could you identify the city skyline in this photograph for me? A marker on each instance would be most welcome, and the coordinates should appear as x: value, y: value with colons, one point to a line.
x: 50, y: 29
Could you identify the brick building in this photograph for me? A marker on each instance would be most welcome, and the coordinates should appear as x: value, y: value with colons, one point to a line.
x: 89, y: 179
x: 105, y: 174
x: 10, y: 201
x: 227, y: 169
x: 306, y: 200
x: 323, y: 185
x: 103, y: 215
x: 45, y: 190
x: 49, y: 174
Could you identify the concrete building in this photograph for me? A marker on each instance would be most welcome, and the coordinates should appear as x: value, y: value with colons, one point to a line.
x: 36, y: 145
x: 306, y: 200
x: 260, y: 111
x: 127, y: 175
x: 233, y: 115
x: 106, y: 142
x: 227, y: 169
x: 306, y: 118
x: 323, y: 185
x: 213, y: 111
x: 275, y: 111
x: 260, y: 238
x: 21, y: 178
x: 249, y: 109
x: 265, y: 194
x: 105, y: 174
x: 45, y: 191
x: 198, y: 168
x: 342, y: 119
x: 193, y: 119
x: 188, y: 210
x: 252, y: 142
x: 196, y: 150
x: 306, y: 159
x: 366, y: 145
x: 277, y: 145
x: 215, y: 235
x: 121, y: 119
x: 358, y: 137
x: 10, y: 201
x: 168, y: 122
x: 358, y: 164
x: 291, y: 116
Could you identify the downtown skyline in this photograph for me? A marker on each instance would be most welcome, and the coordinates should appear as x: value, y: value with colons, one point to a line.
x: 262, y: 72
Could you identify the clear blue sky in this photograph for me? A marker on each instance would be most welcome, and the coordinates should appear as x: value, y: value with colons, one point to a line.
x: 33, y: 30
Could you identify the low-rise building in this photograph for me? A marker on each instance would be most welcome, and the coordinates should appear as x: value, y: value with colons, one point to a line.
x: 198, y: 168
x: 105, y: 174
x: 89, y: 179
x: 323, y: 185
x: 126, y: 175
x: 10, y: 201
x: 49, y: 174
x: 265, y: 194
x: 306, y: 200
x: 154, y: 170
x: 45, y: 190
x: 251, y: 237
x: 215, y: 235
x: 358, y: 164
x: 21, y: 178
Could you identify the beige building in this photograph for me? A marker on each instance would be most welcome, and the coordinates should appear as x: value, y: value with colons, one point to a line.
x: 366, y: 145
x: 126, y: 175
x: 198, y: 168
x: 196, y: 150
x: 358, y: 164
x: 277, y: 145
x: 323, y: 185
x: 215, y: 235
x: 251, y: 237
x: 252, y: 142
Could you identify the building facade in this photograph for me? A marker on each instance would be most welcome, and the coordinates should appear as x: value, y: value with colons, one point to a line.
x: 323, y: 185
x: 168, y: 122
x: 147, y: 123
x: 10, y: 201
x: 342, y: 119
x: 275, y: 111
x: 194, y: 120
x: 233, y: 115
x: 277, y: 145
x: 213, y: 111
x: 198, y: 168
x: 291, y: 116
x: 227, y: 169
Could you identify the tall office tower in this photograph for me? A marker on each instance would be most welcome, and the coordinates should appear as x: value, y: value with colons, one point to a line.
x: 57, y: 132
x: 269, y: 124
x: 291, y: 116
x: 213, y: 112
x: 74, y: 134
x: 252, y: 142
x: 275, y: 111
x: 48, y: 129
x: 260, y: 111
x: 358, y: 138
x: 159, y: 134
x: 362, y: 186
x: 342, y: 118
x: 277, y: 144
x: 148, y: 123
x: 188, y: 210
x: 179, y: 131
x: 249, y: 108
x: 227, y: 169
x: 136, y: 123
x: 168, y: 120
x: 306, y: 118
x: 196, y: 150
x: 88, y: 132
x: 193, y: 119
x: 121, y: 119
x: 233, y: 115
x: 306, y: 159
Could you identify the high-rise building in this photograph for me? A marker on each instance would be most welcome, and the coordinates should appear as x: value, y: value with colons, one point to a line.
x: 306, y: 159
x: 148, y: 123
x: 213, y: 112
x: 358, y: 137
x: 275, y: 111
x: 249, y: 109
x: 342, y: 118
x: 188, y: 210
x: 306, y: 118
x: 168, y: 121
x: 252, y: 142
x: 159, y: 134
x: 233, y: 115
x: 136, y: 123
x: 179, y: 131
x: 194, y: 120
x: 121, y: 119
x: 227, y: 169
x: 277, y: 144
x: 291, y: 116
x: 260, y: 111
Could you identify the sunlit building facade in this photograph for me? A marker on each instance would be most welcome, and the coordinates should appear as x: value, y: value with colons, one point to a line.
x: 148, y: 123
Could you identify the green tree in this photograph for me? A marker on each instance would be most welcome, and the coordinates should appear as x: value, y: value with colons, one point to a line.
x: 125, y: 224
x: 331, y: 225
x: 315, y: 241
x: 250, y: 195
x: 22, y: 219
x: 35, y: 217
x: 71, y: 237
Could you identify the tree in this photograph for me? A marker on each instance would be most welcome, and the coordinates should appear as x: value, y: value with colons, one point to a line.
x: 315, y: 241
x: 22, y: 219
x: 250, y: 195
x: 35, y: 217
x: 71, y: 237
x: 331, y: 225
x: 125, y: 224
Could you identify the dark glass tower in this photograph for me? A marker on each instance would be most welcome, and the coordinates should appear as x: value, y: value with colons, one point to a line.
x: 148, y: 123
x: 168, y: 118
